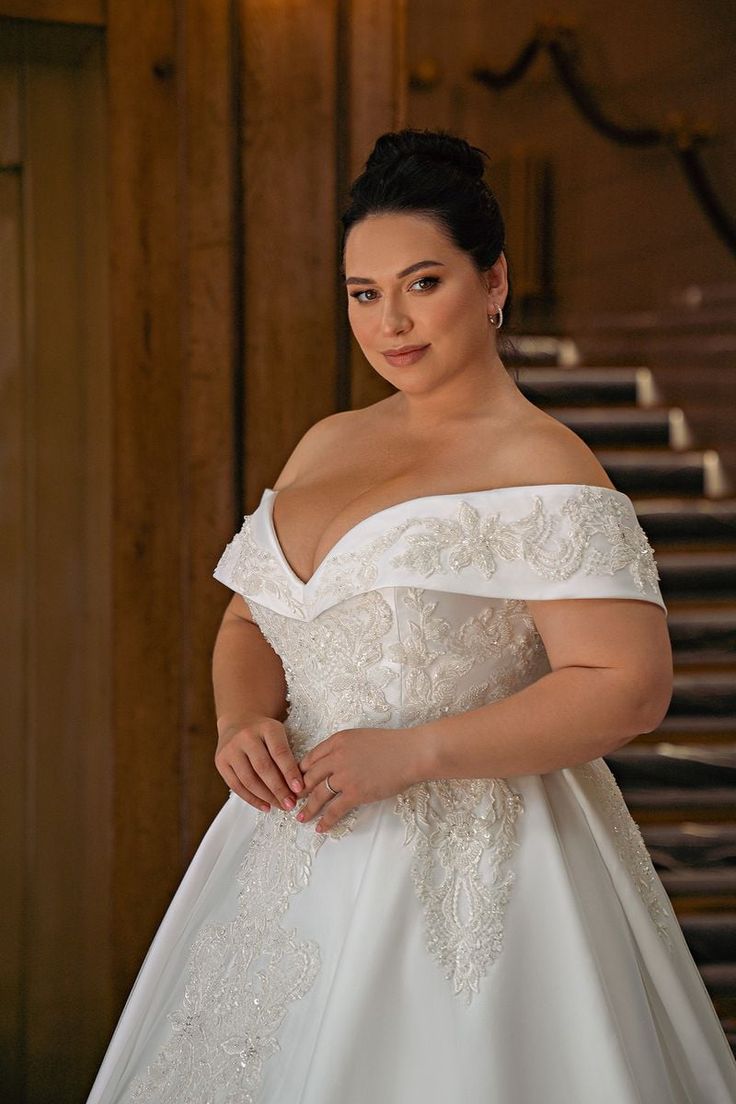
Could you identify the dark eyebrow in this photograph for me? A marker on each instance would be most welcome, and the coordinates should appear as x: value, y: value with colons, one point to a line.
x: 399, y: 275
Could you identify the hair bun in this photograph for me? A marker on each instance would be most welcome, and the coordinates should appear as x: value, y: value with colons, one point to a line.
x: 433, y: 145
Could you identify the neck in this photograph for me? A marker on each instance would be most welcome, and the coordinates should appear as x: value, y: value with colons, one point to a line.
x: 487, y: 391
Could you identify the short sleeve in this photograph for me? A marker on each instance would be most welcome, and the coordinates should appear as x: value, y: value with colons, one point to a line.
x: 543, y: 542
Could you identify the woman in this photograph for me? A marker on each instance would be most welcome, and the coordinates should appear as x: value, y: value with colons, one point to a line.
x: 424, y: 885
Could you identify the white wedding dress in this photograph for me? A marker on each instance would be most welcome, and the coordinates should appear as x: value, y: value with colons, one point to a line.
x: 485, y: 941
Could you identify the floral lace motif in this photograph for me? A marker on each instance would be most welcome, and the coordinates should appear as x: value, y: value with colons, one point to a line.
x: 334, y: 667
x: 251, y: 569
x: 241, y: 976
x: 606, y: 796
x: 473, y: 539
x: 593, y: 531
x: 463, y: 830
x: 348, y: 573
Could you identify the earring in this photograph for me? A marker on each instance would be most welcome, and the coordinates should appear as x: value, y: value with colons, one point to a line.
x: 499, y: 316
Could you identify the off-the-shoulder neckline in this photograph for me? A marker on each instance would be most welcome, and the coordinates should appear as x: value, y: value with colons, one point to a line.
x: 269, y: 495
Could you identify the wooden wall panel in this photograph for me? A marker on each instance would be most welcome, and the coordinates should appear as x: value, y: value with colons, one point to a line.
x: 289, y: 171
x: 13, y: 584
x: 55, y: 584
x: 173, y: 326
x: 148, y: 556
x: 211, y: 321
x: 95, y: 785
x: 377, y: 103
x: 56, y: 660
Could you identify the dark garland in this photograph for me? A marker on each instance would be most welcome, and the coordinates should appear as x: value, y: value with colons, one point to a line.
x: 683, y: 140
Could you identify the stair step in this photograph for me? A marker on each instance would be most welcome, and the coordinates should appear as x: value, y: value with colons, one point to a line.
x: 585, y: 386
x: 703, y: 635
x: 710, y: 573
x: 538, y: 349
x: 718, y: 728
x: 628, y: 426
x: 689, y: 845
x: 719, y: 978
x: 656, y: 471
x: 700, y: 800
x: 717, y: 882
x: 703, y: 694
x: 710, y: 936
x: 675, y: 520
x: 661, y: 766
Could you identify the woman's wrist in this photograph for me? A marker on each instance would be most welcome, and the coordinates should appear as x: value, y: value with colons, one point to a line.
x: 230, y: 722
x: 427, y: 748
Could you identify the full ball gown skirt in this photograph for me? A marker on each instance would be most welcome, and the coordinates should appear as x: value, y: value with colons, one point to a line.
x: 482, y: 941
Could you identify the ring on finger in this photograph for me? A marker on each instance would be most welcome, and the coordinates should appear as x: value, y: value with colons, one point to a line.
x: 329, y: 787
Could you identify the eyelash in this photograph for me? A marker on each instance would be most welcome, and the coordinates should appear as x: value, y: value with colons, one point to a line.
x: 354, y: 294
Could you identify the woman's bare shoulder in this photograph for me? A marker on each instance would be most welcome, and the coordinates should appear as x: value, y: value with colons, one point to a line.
x: 543, y: 450
x: 320, y: 441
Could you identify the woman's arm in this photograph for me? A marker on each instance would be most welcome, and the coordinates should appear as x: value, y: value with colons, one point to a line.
x: 247, y: 675
x: 253, y: 752
x: 611, y: 680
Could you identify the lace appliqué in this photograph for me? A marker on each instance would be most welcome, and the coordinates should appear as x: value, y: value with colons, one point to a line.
x: 349, y: 572
x: 241, y: 977
x: 462, y: 830
x: 333, y: 667
x: 251, y: 569
x: 629, y: 842
x: 473, y: 539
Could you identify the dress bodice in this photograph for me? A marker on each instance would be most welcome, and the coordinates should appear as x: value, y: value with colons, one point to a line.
x: 420, y: 609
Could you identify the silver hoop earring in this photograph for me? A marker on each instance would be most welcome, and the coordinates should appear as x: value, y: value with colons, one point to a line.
x: 499, y: 316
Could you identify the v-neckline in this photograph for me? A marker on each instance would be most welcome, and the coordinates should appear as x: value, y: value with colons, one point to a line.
x: 304, y: 584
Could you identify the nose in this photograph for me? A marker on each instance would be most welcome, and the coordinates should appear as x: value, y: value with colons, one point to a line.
x: 395, y: 320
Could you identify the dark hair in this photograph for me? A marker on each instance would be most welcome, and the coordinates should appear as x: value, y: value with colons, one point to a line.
x: 437, y: 174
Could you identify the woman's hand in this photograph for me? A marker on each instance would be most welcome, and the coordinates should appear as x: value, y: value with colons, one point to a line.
x: 364, y: 764
x: 255, y: 759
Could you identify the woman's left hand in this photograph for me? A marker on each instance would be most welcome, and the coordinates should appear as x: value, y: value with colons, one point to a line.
x: 364, y: 764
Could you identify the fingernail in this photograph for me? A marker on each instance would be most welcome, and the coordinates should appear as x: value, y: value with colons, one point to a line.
x: 288, y: 803
x: 296, y: 785
x: 266, y: 808
x: 300, y: 816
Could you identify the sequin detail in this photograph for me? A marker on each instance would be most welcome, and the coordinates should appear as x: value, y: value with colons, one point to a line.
x: 605, y: 796
x: 241, y: 976
x: 477, y: 539
x: 462, y: 831
x: 593, y: 531
x: 251, y: 569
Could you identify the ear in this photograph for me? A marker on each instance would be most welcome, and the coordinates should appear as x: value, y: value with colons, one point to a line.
x: 496, y: 281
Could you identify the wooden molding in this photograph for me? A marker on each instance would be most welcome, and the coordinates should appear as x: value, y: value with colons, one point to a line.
x: 90, y: 12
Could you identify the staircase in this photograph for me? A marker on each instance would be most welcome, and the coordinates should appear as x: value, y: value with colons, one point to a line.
x: 680, y: 781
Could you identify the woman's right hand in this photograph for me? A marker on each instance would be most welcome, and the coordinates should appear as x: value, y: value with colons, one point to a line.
x: 256, y: 761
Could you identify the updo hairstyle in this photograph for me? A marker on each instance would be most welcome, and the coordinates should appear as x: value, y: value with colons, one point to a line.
x: 439, y: 175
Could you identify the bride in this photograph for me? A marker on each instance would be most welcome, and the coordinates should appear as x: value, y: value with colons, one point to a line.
x: 424, y: 885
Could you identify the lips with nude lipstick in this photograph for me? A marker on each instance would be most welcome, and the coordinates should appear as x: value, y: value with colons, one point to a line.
x: 405, y: 354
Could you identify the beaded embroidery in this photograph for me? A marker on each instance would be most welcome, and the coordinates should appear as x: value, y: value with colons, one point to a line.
x: 462, y: 831
x: 475, y: 540
x: 382, y: 655
x: 606, y: 797
x: 240, y: 978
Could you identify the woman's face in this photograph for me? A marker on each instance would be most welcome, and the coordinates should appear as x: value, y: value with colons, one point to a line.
x: 442, y: 303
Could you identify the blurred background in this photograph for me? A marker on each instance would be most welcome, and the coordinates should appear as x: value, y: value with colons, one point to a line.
x: 172, y: 320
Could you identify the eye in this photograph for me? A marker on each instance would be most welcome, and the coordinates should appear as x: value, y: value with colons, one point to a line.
x: 432, y: 280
